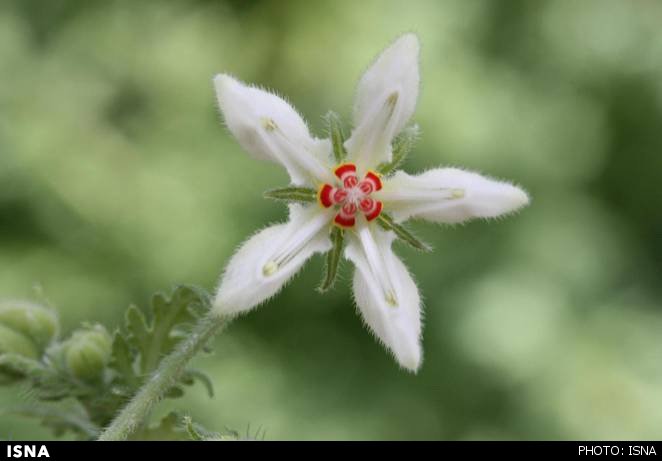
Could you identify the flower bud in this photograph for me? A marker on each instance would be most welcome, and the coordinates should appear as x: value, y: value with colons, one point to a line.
x: 87, y: 352
x: 36, y: 323
x: 12, y: 342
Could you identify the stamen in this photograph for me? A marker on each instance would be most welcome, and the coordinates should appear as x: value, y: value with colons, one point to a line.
x: 326, y: 195
x: 350, y: 181
x: 344, y: 221
x: 374, y: 179
x: 344, y: 169
x: 349, y: 208
x: 339, y: 195
x: 352, y: 195
x: 367, y: 204
x: 366, y: 187
x: 375, y: 211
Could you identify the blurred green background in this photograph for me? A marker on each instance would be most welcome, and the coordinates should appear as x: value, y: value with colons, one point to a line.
x: 117, y: 179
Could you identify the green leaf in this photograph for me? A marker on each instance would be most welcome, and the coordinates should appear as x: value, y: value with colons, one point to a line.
x: 198, y: 433
x: 293, y: 194
x: 386, y: 222
x: 192, y: 431
x: 402, y: 145
x: 47, y: 380
x: 335, y: 130
x: 168, y: 318
x: 59, y: 418
x: 174, y: 426
x: 122, y: 360
x: 190, y: 376
x: 138, y: 333
x: 174, y: 392
x: 333, y: 258
x: 168, y: 428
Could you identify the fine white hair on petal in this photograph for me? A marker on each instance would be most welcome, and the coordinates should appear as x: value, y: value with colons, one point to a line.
x: 385, y: 101
x: 449, y: 195
x: 270, y: 258
x: 394, y: 318
x: 269, y: 128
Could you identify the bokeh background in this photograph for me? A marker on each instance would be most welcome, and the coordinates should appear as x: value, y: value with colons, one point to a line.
x: 117, y: 180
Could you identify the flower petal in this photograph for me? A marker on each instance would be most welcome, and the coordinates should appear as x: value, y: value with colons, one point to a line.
x: 449, y: 195
x: 386, y: 294
x: 385, y: 101
x: 269, y: 128
x: 269, y: 259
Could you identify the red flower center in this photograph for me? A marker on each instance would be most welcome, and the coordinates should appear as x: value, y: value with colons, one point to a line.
x: 352, y: 195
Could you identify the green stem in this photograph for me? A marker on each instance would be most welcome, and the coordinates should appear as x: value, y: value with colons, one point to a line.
x: 164, y: 377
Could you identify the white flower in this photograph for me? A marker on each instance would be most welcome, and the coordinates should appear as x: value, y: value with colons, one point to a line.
x: 345, y: 192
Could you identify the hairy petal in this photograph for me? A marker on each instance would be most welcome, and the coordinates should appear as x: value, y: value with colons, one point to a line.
x: 385, y: 101
x: 269, y: 259
x: 449, y: 195
x: 268, y: 128
x: 386, y: 294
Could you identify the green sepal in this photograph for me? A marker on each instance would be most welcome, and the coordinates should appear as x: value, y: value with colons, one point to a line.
x: 16, y: 367
x: 48, y: 377
x: 293, y: 194
x: 337, y: 136
x: 387, y: 223
x: 333, y: 258
x: 402, y: 145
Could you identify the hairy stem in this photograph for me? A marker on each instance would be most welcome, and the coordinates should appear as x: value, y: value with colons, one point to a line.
x: 164, y: 377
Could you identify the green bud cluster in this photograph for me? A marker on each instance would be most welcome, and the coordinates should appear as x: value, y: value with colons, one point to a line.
x: 80, y: 381
x: 87, y: 352
x: 26, y: 328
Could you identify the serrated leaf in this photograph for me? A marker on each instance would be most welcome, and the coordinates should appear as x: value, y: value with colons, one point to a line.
x: 402, y: 146
x: 293, y: 194
x: 337, y: 136
x: 387, y: 223
x: 122, y: 360
x: 333, y: 258
x: 172, y: 315
x: 138, y: 331
x: 168, y: 317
